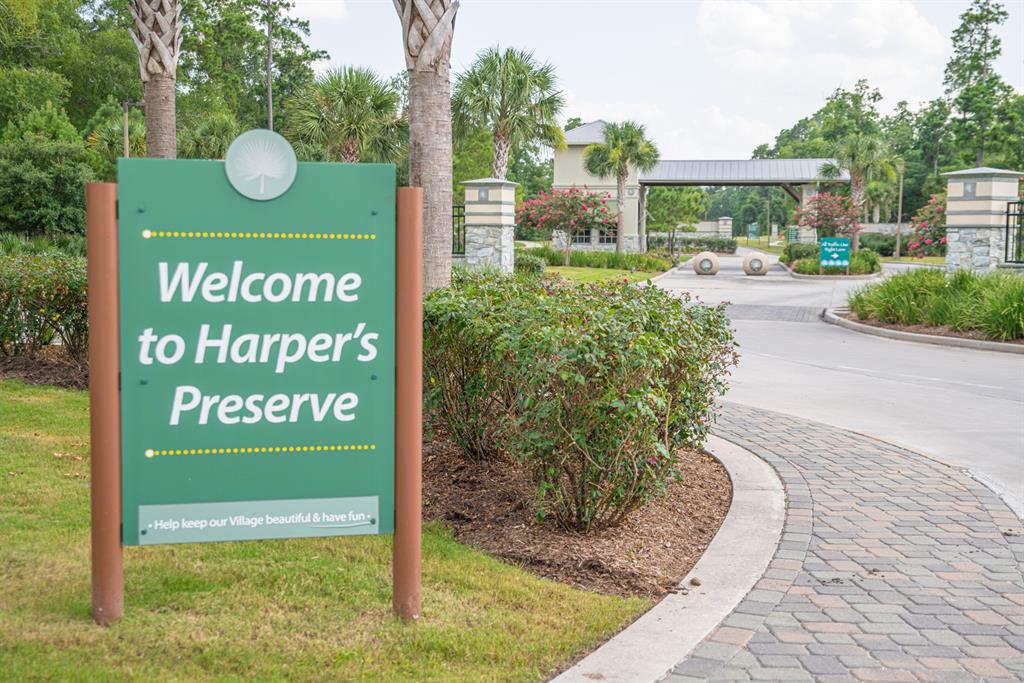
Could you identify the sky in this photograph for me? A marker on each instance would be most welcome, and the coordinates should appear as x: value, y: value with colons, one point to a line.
x: 711, y: 79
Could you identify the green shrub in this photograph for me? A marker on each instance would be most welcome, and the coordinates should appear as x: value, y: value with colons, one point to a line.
x: 864, y: 262
x: 884, y: 245
x: 992, y: 304
x: 689, y: 244
x: 601, y: 259
x: 594, y: 387
x: 12, y: 244
x: 529, y: 264
x: 43, y: 296
x: 794, y: 251
x: 42, y: 186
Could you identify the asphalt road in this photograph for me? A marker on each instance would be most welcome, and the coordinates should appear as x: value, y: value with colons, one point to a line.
x: 960, y: 406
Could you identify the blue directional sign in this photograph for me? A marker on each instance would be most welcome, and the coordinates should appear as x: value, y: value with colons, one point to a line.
x: 834, y: 252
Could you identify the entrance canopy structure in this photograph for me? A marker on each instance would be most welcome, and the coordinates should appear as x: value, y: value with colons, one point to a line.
x: 800, y: 178
x: 789, y: 174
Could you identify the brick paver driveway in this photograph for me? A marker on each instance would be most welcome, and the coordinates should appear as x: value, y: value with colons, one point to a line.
x: 892, y: 567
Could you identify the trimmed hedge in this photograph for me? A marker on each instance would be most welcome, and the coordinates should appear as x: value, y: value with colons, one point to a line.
x: 593, y: 387
x: 529, y: 264
x: 991, y: 303
x: 794, y: 251
x: 884, y: 245
x: 43, y: 297
x: 688, y: 244
x: 600, y: 259
x: 864, y: 262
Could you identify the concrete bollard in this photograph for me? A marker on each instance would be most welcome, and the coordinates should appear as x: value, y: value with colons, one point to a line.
x: 755, y: 263
x: 705, y: 263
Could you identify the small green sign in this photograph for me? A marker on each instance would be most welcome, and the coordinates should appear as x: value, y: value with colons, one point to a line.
x: 753, y: 231
x: 834, y: 252
x: 257, y: 351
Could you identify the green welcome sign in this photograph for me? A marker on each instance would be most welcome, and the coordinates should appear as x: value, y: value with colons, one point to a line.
x: 834, y: 252
x: 257, y: 322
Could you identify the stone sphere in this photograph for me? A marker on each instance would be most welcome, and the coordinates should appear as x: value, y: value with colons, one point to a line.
x: 705, y: 263
x: 755, y: 263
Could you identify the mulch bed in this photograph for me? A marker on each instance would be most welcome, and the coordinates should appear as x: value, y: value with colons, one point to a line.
x: 936, y: 331
x: 489, y: 507
x: 51, y: 366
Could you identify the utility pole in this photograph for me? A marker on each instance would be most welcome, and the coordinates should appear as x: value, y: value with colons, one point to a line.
x: 270, y: 65
x: 899, y: 214
x: 125, y: 106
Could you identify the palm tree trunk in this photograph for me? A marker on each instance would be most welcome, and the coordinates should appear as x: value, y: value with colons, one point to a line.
x: 502, y: 147
x: 427, y: 29
x: 857, y: 196
x: 161, y: 119
x: 620, y: 194
x: 430, y: 167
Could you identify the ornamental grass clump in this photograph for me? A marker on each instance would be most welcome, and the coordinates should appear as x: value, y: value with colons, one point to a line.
x: 594, y: 387
x: 992, y: 304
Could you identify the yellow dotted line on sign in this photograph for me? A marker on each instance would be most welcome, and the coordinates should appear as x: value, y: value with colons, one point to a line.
x: 154, y: 453
x: 150, y: 234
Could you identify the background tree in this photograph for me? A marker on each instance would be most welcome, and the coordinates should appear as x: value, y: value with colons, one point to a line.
x: 672, y: 208
x: 157, y: 36
x: 210, y: 138
x: 625, y: 146
x: 513, y: 96
x: 975, y: 89
x: 105, y: 137
x: 573, y: 122
x: 427, y: 30
x: 350, y: 113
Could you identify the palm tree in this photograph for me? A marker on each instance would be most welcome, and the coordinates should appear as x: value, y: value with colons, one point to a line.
x: 157, y: 35
x: 866, y: 158
x: 427, y: 30
x: 625, y: 145
x: 351, y: 113
x: 210, y: 138
x: 513, y: 96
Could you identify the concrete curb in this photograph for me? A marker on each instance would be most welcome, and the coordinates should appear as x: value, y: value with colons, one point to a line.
x: 734, y: 561
x: 831, y: 315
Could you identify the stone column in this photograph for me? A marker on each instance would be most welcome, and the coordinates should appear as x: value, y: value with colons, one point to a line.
x: 490, y: 223
x: 976, y: 201
x: 725, y: 227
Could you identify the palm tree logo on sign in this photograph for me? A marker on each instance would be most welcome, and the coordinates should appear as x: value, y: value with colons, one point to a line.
x: 260, y: 164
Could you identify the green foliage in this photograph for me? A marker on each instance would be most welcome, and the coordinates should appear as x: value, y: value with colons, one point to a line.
x: 672, y: 207
x: 992, y: 304
x: 884, y: 245
x: 512, y: 96
x: 602, y: 259
x: 594, y: 387
x: 829, y: 215
x: 42, y: 297
x: 48, y: 122
x: 863, y: 262
x: 689, y: 244
x: 42, y: 185
x: 351, y: 114
x: 529, y: 264
x: 569, y: 211
x: 210, y: 138
x: 14, y: 244
x: 23, y: 90
x: 794, y: 251
x: 105, y: 137
x: 929, y: 226
x: 625, y: 146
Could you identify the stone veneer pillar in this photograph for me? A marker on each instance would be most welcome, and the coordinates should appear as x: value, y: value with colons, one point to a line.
x: 725, y: 227
x: 976, y: 201
x: 490, y: 223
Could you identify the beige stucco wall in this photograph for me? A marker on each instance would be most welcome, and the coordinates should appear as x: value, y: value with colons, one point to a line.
x: 570, y: 172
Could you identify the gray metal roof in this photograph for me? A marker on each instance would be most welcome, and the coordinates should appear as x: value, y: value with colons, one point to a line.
x: 738, y: 172
x: 982, y: 171
x: 587, y: 134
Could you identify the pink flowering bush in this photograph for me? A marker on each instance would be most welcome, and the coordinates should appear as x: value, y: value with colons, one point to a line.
x: 831, y: 215
x: 566, y: 210
x: 929, y: 224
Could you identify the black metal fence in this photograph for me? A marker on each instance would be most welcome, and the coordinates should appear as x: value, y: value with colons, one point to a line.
x: 1014, y: 232
x: 458, y: 230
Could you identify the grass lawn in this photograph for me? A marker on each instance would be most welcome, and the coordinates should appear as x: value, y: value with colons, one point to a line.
x: 932, y: 260
x: 304, y: 609
x: 579, y: 274
x: 761, y: 245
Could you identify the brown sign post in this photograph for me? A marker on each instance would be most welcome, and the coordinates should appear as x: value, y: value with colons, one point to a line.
x: 105, y: 404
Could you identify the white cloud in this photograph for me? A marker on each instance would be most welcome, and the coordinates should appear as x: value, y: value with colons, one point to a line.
x: 321, y: 10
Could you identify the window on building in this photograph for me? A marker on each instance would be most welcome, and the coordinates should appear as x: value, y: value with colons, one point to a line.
x: 581, y: 237
x: 970, y: 189
x: 607, y: 236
